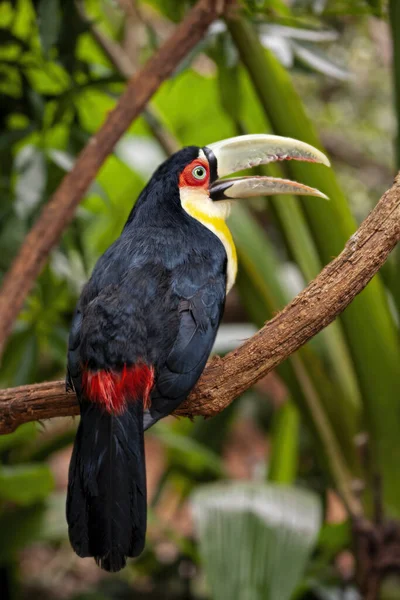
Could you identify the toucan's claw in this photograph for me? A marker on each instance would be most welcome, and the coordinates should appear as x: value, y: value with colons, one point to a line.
x: 246, y: 151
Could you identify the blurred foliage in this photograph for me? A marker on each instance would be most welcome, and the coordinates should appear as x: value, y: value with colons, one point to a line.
x: 268, y: 521
x: 319, y: 70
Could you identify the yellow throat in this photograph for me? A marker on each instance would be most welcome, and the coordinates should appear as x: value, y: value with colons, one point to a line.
x: 212, y: 215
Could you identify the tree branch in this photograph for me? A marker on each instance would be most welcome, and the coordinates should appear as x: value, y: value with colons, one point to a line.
x: 226, y: 378
x: 58, y: 213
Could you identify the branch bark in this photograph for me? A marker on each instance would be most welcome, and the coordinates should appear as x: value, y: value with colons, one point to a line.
x: 225, y: 379
x: 58, y: 213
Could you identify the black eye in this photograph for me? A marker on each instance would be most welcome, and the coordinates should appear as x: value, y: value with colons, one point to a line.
x: 199, y: 172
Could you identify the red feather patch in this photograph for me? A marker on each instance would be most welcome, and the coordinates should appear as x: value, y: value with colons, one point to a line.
x: 114, y: 389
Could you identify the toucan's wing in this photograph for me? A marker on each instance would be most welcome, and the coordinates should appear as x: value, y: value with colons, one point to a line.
x: 178, y: 324
x: 199, y: 318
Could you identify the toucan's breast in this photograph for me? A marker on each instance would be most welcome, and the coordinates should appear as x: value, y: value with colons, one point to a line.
x: 212, y: 215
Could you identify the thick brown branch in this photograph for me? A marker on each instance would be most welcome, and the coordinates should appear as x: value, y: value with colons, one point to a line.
x: 225, y: 379
x: 58, y: 213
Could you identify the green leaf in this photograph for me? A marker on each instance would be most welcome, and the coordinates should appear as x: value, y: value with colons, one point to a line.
x: 49, y: 21
x: 284, y: 444
x: 70, y: 30
x: 25, y: 484
x: 204, y: 122
x: 225, y: 55
x: 255, y: 540
x: 111, y: 216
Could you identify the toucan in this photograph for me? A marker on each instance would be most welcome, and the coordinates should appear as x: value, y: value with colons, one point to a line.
x: 145, y: 325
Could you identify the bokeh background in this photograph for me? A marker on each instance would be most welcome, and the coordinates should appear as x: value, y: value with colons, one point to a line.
x: 252, y: 504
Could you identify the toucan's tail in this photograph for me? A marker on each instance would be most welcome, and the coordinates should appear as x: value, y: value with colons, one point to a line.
x: 106, y: 502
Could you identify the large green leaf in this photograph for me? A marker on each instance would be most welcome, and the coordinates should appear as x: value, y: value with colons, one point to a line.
x: 111, y: 214
x: 255, y: 539
x: 204, y: 122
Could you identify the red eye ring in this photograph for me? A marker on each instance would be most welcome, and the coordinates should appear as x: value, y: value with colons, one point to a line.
x: 195, y: 174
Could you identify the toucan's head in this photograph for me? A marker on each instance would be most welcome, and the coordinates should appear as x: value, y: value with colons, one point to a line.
x: 193, y: 179
x: 196, y: 173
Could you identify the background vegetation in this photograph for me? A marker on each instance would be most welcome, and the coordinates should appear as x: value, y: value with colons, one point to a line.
x: 317, y: 437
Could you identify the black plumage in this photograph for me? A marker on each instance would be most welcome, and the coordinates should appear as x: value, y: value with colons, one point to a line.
x: 155, y: 297
x: 106, y: 503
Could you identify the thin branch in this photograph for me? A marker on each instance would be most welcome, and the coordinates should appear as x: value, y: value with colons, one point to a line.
x: 226, y: 378
x: 58, y: 213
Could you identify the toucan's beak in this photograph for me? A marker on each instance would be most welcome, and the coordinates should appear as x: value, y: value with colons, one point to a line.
x: 245, y: 151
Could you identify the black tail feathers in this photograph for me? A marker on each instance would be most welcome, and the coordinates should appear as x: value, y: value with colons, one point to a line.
x: 106, y: 502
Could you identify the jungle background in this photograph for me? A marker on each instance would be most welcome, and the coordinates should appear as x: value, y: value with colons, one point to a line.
x: 247, y: 505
